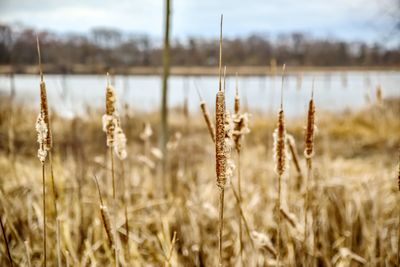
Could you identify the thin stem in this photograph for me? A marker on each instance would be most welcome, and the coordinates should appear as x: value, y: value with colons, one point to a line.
x: 279, y: 222
x: 112, y: 171
x: 239, y: 205
x: 283, y: 79
x: 6, y: 242
x: 221, y: 223
x: 306, y: 205
x: 44, y: 214
x: 220, y: 53
x: 40, y: 59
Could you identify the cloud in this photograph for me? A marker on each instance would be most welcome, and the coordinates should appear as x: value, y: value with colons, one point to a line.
x: 358, y: 19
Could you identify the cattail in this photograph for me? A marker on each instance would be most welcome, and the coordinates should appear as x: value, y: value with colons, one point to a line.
x: 240, y: 122
x: 220, y: 146
x: 309, y: 153
x: 280, y: 145
x: 110, y: 99
x: 280, y: 155
x: 43, y: 102
x: 44, y: 109
x: 309, y: 137
x: 109, y: 122
x: 41, y: 129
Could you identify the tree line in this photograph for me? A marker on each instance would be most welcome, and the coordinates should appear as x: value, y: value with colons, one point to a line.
x: 113, y: 48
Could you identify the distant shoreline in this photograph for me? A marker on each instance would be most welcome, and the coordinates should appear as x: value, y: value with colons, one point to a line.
x: 187, y: 70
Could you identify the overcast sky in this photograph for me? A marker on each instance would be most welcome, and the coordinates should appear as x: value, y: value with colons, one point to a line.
x: 369, y: 20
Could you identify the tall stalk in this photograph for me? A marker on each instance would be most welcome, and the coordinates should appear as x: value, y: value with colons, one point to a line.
x: 44, y: 214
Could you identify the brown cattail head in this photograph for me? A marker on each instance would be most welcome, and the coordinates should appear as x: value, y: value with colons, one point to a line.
x: 45, y: 111
x: 110, y: 99
x: 280, y: 144
x: 220, y: 149
x: 309, y: 137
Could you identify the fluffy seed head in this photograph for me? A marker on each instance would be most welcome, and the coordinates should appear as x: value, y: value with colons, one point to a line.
x: 220, y: 146
x: 280, y: 145
x: 120, y: 143
x: 240, y: 128
x: 41, y: 129
x: 109, y: 123
x: 309, y: 137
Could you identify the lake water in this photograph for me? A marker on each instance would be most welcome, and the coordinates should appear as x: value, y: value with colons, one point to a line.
x: 335, y: 91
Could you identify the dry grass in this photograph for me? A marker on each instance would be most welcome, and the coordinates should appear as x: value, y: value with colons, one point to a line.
x: 353, y: 198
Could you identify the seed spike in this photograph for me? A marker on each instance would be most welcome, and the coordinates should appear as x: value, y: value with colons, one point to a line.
x: 40, y: 59
x: 220, y: 52
x: 283, y: 79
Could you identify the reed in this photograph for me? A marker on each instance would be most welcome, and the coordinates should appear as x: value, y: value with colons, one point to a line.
x: 48, y: 140
x: 220, y: 153
x: 240, y: 128
x: 280, y: 161
x: 109, y: 124
x: 44, y: 141
x: 309, y: 153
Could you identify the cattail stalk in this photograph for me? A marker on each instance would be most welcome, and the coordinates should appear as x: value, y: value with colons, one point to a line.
x: 280, y: 162
x: 44, y: 140
x: 398, y: 226
x: 220, y: 147
x: 236, y: 139
x: 6, y: 242
x: 44, y: 214
x: 309, y: 153
x: 109, y: 127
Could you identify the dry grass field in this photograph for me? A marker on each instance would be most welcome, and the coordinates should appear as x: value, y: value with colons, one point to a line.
x: 171, y: 217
